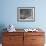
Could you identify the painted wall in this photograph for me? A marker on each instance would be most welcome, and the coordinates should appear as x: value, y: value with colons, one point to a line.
x: 8, y: 13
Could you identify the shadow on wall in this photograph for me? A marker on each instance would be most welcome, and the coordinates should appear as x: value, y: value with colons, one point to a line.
x: 2, y: 26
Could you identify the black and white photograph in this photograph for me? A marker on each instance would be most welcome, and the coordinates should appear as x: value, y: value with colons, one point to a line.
x: 26, y: 13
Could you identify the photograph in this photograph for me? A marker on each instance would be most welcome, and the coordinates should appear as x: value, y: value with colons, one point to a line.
x: 26, y: 14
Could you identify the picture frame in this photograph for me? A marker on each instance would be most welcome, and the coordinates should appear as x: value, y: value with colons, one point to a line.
x: 26, y: 14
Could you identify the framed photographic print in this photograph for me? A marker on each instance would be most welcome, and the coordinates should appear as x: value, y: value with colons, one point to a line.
x: 25, y: 14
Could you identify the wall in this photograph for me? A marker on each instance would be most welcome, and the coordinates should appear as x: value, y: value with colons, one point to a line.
x: 9, y: 13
